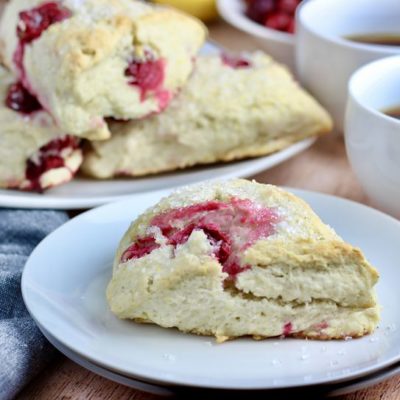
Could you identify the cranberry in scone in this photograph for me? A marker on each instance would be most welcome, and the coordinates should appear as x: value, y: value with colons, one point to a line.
x: 34, y: 153
x: 230, y: 227
x: 86, y: 61
x: 233, y: 107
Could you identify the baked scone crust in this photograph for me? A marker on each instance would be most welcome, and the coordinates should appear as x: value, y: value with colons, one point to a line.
x: 22, y: 136
x: 222, y: 114
x: 77, y: 67
x: 303, y: 280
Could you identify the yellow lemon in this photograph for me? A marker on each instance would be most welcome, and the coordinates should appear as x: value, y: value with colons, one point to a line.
x: 203, y: 9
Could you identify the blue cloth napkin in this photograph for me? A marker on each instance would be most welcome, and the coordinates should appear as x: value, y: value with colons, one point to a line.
x: 23, y: 349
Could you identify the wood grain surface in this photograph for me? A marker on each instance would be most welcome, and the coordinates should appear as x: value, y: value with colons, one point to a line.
x: 324, y: 168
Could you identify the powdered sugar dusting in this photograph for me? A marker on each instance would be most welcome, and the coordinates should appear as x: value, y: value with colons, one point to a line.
x: 294, y: 218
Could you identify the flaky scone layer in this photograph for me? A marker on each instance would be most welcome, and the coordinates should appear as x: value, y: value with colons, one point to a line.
x: 300, y: 280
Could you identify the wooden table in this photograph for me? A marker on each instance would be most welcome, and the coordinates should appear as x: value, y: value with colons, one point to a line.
x: 324, y: 168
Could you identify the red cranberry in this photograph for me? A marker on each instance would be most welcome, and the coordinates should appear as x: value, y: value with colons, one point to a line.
x: 292, y: 26
x: 287, y: 329
x: 163, y: 221
x: 32, y: 23
x: 147, y: 75
x: 20, y: 100
x: 47, y: 158
x: 60, y: 144
x: 140, y: 248
x: 233, y: 269
x: 216, y: 237
x: 34, y: 171
x: 235, y: 62
x: 36, y: 20
x: 220, y: 241
x: 180, y: 236
x: 288, y: 6
x: 231, y: 227
x: 278, y: 21
x: 321, y: 326
x: 275, y: 14
x: 258, y: 9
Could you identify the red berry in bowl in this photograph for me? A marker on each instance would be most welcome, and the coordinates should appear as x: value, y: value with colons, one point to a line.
x: 292, y: 26
x: 288, y: 6
x: 257, y: 10
x: 278, y: 21
x: 274, y: 14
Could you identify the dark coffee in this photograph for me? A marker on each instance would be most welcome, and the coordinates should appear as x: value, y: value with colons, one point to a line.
x: 393, y: 112
x: 385, y: 39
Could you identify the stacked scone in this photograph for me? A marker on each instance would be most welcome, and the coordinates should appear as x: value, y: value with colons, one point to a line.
x: 123, y: 80
x: 73, y: 64
x: 231, y: 108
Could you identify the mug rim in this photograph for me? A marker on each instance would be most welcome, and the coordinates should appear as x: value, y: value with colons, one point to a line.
x: 359, y: 74
x: 338, y: 40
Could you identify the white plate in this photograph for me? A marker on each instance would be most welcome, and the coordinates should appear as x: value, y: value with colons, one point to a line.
x: 327, y: 390
x: 64, y: 281
x: 105, y: 373
x: 87, y: 193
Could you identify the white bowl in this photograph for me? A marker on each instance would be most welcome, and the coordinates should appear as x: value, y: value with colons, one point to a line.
x: 325, y: 60
x: 373, y: 138
x: 279, y: 45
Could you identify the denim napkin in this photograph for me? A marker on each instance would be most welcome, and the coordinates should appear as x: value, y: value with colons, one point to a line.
x: 23, y: 349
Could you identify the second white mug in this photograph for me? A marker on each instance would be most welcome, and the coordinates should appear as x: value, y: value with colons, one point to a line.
x: 325, y: 59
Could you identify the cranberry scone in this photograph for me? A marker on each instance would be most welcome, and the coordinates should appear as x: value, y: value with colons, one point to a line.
x: 34, y: 153
x: 231, y: 108
x: 241, y: 258
x: 85, y: 60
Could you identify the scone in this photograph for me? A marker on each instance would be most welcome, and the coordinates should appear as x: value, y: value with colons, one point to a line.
x: 34, y: 153
x: 240, y: 258
x: 87, y: 60
x: 231, y: 108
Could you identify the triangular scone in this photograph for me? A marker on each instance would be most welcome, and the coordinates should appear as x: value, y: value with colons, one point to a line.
x: 87, y: 60
x: 230, y: 109
x: 34, y: 153
x: 241, y: 258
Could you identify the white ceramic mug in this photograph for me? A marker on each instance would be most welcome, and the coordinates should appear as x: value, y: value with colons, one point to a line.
x: 373, y: 138
x: 325, y: 59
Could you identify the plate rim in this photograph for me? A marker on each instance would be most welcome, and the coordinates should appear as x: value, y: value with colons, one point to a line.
x: 16, y: 199
x: 342, y: 389
x: 105, y: 373
x: 179, y: 380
